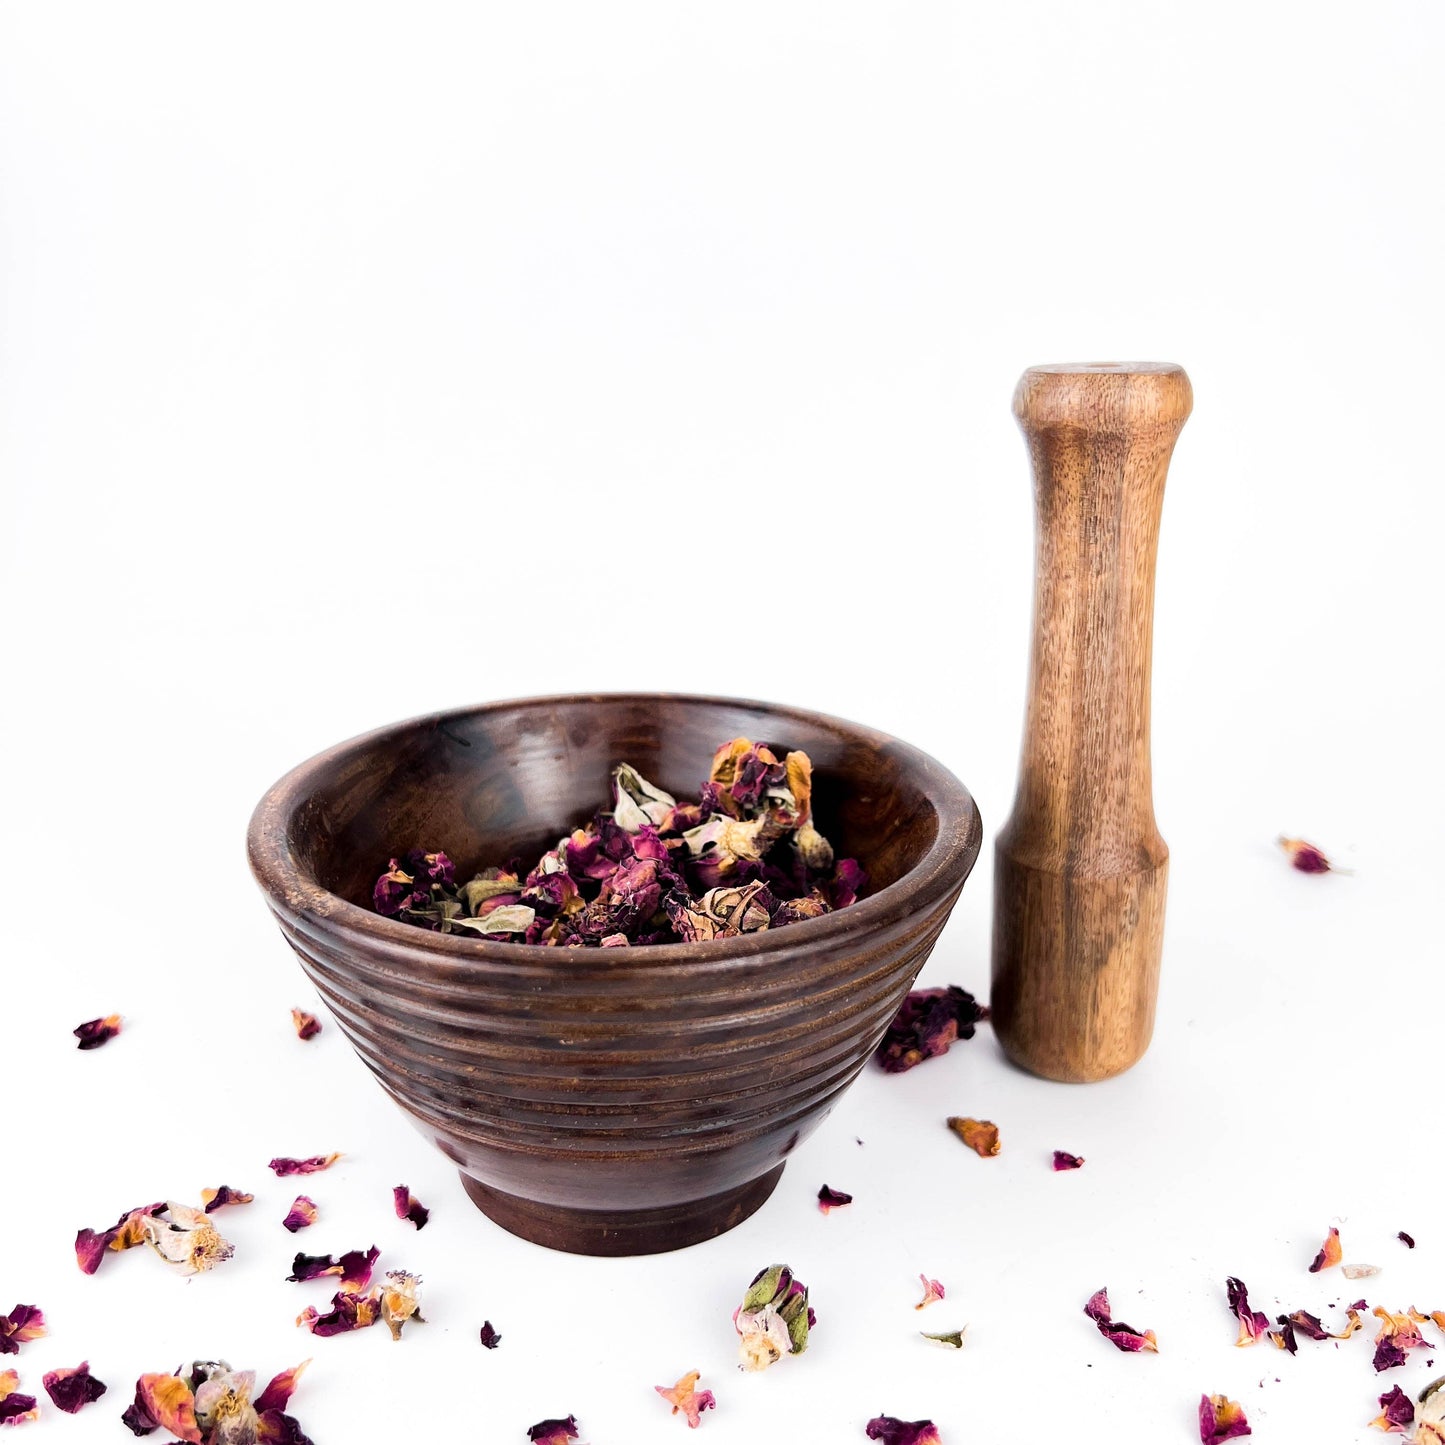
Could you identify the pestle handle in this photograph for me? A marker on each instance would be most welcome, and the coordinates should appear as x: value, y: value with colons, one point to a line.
x: 1081, y: 871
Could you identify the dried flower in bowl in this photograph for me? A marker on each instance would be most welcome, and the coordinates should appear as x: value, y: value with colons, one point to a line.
x: 686, y: 1399
x: 773, y: 1319
x: 23, y: 1324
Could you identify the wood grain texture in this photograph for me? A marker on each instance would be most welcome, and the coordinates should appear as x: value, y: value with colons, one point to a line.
x: 607, y: 1101
x: 1081, y: 870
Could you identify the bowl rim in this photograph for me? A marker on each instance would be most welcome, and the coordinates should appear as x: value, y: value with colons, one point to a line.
x: 290, y: 888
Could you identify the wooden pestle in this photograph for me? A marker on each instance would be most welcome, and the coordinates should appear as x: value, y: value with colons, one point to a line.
x: 1080, y: 869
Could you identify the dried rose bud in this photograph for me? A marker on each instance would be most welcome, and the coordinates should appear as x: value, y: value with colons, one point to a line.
x: 348, y: 1312
x: 979, y: 1134
x: 302, y: 1214
x: 832, y: 1199
x: 1220, y: 1418
x: 903, y: 1432
x: 930, y: 1020
x: 554, y: 1432
x: 1397, y: 1412
x: 96, y: 1032
x: 932, y: 1292
x: 407, y: 1206
x: 314, y: 1165
x: 214, y: 1199
x: 186, y: 1238
x: 490, y: 1338
x: 773, y: 1319
x: 1253, y: 1325
x: 399, y: 1302
x: 1121, y: 1336
x: 1064, y: 1161
x: 23, y: 1324
x: 1330, y: 1253
x: 15, y: 1408
x: 686, y: 1399
x: 1305, y: 856
x: 952, y: 1340
x: 794, y: 910
x: 307, y: 1025
x: 72, y: 1390
x: 636, y: 802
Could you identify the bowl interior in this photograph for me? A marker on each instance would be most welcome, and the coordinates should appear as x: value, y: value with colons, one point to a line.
x: 510, y: 779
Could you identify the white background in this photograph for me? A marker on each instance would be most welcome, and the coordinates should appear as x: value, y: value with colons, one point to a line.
x: 364, y: 360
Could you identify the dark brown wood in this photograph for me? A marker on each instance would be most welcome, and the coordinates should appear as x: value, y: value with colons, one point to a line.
x: 607, y: 1100
x: 1081, y: 871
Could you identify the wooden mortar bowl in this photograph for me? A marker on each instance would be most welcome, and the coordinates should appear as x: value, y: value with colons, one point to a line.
x: 607, y: 1101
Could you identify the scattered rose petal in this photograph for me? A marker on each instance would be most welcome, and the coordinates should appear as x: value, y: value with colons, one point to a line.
x: 1253, y: 1325
x: 186, y: 1238
x: 490, y: 1338
x: 1330, y: 1253
x: 1397, y: 1412
x: 348, y: 1312
x: 314, y: 1165
x: 15, y: 1408
x: 832, y: 1199
x: 932, y: 1292
x: 1220, y: 1418
x: 554, y: 1432
x: 1360, y: 1271
x: 979, y: 1134
x: 1305, y: 856
x: 1121, y: 1336
x: 1284, y: 1337
x: 930, y: 1021
x: 354, y: 1267
x: 950, y: 1339
x: 302, y: 1214
x: 407, y: 1206
x: 399, y: 1301
x: 1063, y: 1161
x: 127, y: 1232
x: 97, y: 1031
x: 23, y: 1324
x: 72, y: 1390
x: 165, y: 1402
x: 278, y: 1392
x: 1397, y: 1336
x: 773, y: 1319
x: 903, y: 1432
x: 214, y: 1199
x: 307, y: 1025
x: 1408, y: 1240
x: 686, y: 1399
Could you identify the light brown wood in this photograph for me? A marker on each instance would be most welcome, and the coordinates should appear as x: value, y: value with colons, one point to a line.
x: 1081, y: 870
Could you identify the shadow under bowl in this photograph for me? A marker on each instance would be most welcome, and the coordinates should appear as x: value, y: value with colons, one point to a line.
x: 607, y: 1101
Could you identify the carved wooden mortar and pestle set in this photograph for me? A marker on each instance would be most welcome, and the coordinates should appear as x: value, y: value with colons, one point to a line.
x: 626, y: 1101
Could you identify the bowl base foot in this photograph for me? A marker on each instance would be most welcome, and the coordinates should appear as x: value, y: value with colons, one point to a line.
x: 622, y: 1231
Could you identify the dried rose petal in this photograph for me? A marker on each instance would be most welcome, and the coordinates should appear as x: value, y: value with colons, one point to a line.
x: 302, y: 1214
x: 1220, y: 1418
x: 1063, y: 1161
x: 314, y: 1165
x: 307, y: 1025
x: 214, y: 1199
x: 979, y: 1134
x: 903, y: 1432
x: 348, y: 1312
x: 686, y: 1399
x: 1397, y: 1412
x: 164, y: 1402
x: 354, y: 1267
x: 97, y: 1031
x: 490, y: 1338
x: 127, y: 1232
x: 832, y: 1199
x: 399, y: 1301
x: 23, y: 1324
x: 554, y: 1432
x: 407, y: 1206
x: 636, y: 802
x: 1121, y: 1336
x: 186, y: 1238
x: 952, y: 1339
x: 1253, y: 1325
x: 1330, y: 1252
x: 1284, y: 1337
x: 1305, y: 856
x: 1408, y: 1240
x: 930, y: 1020
x: 932, y: 1292
x: 15, y: 1408
x: 1398, y: 1334
x: 72, y: 1390
x: 278, y: 1392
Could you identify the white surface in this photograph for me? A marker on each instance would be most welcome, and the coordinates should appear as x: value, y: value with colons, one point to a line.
x: 360, y: 361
